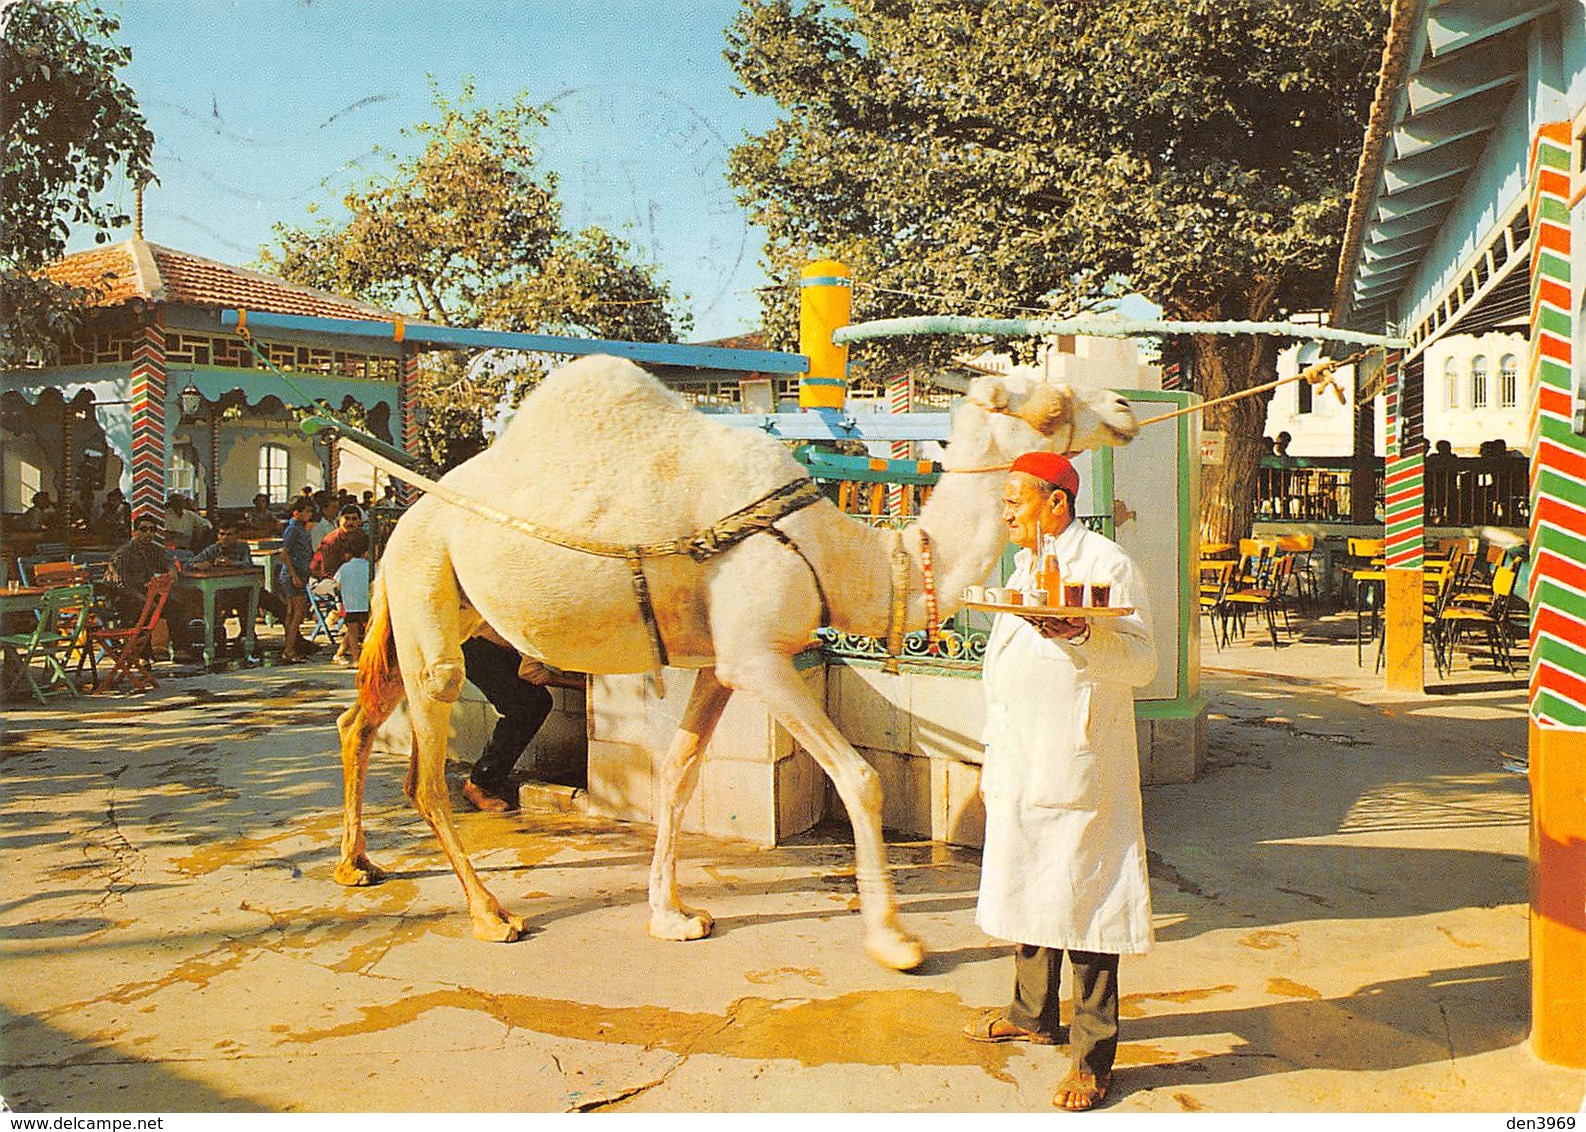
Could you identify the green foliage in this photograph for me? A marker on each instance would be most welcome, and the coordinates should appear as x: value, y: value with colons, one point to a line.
x: 69, y: 122
x: 467, y: 232
x: 982, y: 156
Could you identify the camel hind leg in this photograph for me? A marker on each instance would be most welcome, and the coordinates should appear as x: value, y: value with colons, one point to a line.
x: 379, y: 693
x: 491, y: 922
x: 669, y: 918
x: 429, y: 624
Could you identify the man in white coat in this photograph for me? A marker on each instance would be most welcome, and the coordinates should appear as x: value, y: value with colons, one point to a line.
x: 1064, y: 866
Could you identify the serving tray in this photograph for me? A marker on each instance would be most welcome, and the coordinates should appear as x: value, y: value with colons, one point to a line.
x: 1070, y: 611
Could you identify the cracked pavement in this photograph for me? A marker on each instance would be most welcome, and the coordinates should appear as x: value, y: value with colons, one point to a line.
x: 1340, y: 905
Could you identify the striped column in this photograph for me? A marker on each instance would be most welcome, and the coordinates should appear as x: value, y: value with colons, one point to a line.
x: 1558, y: 463
x: 1404, y: 530
x: 900, y: 399
x: 1403, y: 482
x: 148, y: 424
x: 409, y: 421
x: 1557, y: 595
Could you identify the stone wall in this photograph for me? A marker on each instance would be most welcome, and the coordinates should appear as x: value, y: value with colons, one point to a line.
x: 920, y: 729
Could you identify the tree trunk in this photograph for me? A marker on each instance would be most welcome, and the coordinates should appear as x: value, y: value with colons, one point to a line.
x: 1225, y: 365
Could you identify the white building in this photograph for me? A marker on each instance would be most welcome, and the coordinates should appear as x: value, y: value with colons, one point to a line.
x: 1472, y: 395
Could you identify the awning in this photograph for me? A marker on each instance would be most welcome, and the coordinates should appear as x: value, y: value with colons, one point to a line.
x: 114, y: 383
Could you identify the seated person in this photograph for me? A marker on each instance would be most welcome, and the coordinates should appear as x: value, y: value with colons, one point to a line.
x: 129, y: 573
x: 115, y: 516
x: 229, y: 550
x: 185, y: 527
x: 43, y: 515
x: 260, y: 520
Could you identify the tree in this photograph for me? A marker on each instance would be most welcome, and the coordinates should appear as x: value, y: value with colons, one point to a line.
x: 983, y: 157
x: 467, y: 232
x: 69, y: 122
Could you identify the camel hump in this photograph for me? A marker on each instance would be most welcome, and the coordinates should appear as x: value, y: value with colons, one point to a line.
x: 603, y: 447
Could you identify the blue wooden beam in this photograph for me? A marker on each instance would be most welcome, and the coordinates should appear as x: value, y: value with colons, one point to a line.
x: 834, y: 424
x: 456, y: 337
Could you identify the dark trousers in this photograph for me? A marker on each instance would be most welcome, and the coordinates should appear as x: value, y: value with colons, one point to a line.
x: 493, y: 669
x: 1037, y: 978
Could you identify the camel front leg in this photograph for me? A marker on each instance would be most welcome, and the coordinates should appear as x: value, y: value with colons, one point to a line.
x: 491, y: 922
x: 773, y: 679
x: 669, y: 919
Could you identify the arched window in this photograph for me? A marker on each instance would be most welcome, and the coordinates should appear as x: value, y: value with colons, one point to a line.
x: 1509, y: 381
x: 1451, y: 384
x: 182, y: 476
x: 272, y: 471
x: 1478, y: 382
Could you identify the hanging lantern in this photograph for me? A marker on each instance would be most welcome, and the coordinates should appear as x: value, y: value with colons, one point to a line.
x: 192, y: 400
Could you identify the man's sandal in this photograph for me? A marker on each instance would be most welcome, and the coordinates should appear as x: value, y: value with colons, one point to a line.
x: 995, y: 1027
x: 481, y: 799
x: 1082, y: 1090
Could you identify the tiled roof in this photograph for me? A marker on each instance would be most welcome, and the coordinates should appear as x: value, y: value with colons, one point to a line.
x: 138, y: 269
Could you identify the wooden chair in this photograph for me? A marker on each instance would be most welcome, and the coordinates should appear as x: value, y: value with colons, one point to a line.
x: 95, y: 562
x: 1263, y: 597
x: 130, y: 649
x: 1301, y: 546
x: 1215, y: 578
x: 1453, y: 620
x: 62, y: 613
x: 58, y: 574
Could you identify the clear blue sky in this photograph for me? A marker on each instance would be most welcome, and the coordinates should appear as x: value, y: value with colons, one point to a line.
x: 260, y: 107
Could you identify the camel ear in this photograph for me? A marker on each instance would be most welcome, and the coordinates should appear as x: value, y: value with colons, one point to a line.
x: 1047, y: 408
x: 989, y: 392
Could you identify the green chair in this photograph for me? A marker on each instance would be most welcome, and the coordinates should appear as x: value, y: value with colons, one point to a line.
x: 61, y: 627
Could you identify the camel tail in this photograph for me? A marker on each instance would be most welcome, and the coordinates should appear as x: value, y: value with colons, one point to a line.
x: 378, y: 670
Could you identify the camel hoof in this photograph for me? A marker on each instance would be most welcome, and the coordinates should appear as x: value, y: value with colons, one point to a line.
x: 499, y: 927
x: 681, y: 924
x: 358, y: 871
x: 896, y: 949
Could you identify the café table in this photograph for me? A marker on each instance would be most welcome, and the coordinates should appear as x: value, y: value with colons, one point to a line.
x: 211, y: 581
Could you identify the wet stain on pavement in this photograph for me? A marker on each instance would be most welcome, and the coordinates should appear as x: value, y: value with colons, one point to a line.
x: 895, y: 1027
x: 811, y: 975
x: 1188, y: 1103
x: 1288, y: 988
x: 1268, y: 940
x: 1455, y: 940
x: 1159, y: 869
x: 1129, y: 1006
x: 1319, y: 901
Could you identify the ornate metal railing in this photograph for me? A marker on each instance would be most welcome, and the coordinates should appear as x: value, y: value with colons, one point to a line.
x: 961, y: 646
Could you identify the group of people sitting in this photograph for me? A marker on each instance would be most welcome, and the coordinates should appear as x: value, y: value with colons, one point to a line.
x: 111, y: 519
x: 324, y: 546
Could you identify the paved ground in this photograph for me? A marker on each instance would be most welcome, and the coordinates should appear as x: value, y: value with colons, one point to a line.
x: 1339, y: 902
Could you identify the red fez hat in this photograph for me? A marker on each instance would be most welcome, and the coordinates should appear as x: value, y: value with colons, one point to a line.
x: 1049, y: 466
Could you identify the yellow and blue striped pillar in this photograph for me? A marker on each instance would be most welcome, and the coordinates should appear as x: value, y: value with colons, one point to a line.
x: 825, y: 305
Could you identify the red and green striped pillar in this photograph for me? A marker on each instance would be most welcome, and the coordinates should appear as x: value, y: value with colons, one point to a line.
x: 1404, y: 532
x: 148, y: 424
x: 1557, y: 596
x: 900, y: 399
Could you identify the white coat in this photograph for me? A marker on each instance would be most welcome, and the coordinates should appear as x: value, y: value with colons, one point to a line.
x: 1064, y: 860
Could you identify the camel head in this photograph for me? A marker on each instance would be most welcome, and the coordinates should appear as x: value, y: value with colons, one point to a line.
x: 1025, y: 413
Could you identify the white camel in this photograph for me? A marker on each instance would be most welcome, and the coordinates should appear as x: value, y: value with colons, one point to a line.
x: 603, y: 451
